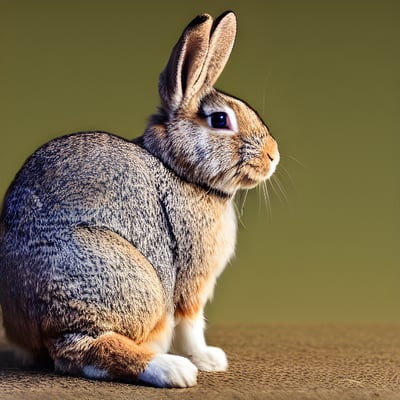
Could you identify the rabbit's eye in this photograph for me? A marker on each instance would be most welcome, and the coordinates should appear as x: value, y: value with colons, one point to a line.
x: 219, y: 120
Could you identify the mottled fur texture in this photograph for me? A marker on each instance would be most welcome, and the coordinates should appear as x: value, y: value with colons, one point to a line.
x: 109, y: 249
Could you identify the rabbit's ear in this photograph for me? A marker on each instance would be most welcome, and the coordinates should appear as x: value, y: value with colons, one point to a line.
x: 185, y: 72
x: 223, y: 33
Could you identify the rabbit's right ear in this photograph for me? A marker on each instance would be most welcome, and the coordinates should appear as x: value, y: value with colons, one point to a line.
x: 185, y: 72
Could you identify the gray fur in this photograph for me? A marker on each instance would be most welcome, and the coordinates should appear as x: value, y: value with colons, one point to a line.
x: 119, y: 187
x: 99, y: 234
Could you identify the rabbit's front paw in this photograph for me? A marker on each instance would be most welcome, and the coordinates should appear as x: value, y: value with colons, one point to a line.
x: 210, y: 359
x: 167, y: 370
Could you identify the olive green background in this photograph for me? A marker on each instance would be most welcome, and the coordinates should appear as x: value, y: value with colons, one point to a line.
x: 325, y: 77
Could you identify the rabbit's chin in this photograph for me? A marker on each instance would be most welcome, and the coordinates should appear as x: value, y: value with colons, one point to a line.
x: 252, y: 178
x: 248, y: 182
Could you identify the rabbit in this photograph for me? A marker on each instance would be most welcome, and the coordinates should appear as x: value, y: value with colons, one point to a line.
x: 110, y: 249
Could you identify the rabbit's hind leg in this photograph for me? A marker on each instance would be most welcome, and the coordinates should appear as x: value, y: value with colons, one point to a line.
x: 114, y: 325
x: 112, y: 356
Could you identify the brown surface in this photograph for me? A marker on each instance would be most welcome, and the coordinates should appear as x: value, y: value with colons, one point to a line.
x: 290, y: 361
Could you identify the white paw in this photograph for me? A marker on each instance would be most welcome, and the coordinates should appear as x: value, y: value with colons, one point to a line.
x: 210, y: 359
x: 167, y: 370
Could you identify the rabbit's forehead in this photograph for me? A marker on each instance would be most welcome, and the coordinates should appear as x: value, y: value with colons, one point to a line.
x: 248, y: 120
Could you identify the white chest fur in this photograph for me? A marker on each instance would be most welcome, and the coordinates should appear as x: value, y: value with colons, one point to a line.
x: 224, y: 247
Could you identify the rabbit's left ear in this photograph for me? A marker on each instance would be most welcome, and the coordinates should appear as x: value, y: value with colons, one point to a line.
x: 223, y: 33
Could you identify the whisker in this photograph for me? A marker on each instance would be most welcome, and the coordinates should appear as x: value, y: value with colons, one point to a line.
x: 293, y: 159
x: 285, y: 170
x: 266, y: 197
x: 239, y: 209
x: 276, y: 191
x: 243, y: 202
x: 282, y: 176
x: 259, y: 198
x: 281, y: 188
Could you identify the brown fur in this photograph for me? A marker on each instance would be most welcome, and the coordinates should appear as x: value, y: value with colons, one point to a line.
x: 120, y: 357
x: 103, y: 242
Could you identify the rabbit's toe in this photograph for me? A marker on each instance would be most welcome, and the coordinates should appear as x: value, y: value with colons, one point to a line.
x: 210, y: 359
x: 166, y: 370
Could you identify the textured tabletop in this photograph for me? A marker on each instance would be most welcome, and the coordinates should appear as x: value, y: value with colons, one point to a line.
x: 273, y: 361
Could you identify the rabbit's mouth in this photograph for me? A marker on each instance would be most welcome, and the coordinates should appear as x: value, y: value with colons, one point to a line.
x: 257, y: 172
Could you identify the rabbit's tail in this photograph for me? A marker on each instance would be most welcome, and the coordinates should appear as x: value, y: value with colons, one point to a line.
x: 112, y: 356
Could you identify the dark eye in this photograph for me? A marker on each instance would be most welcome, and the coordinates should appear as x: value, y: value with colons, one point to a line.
x: 218, y: 120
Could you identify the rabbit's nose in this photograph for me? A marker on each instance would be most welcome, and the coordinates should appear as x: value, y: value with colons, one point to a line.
x: 271, y: 158
x: 271, y: 149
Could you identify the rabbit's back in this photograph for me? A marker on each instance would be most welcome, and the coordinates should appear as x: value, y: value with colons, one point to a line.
x: 92, y: 180
x: 80, y: 178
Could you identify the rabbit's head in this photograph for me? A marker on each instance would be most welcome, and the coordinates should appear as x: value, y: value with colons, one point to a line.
x: 205, y: 136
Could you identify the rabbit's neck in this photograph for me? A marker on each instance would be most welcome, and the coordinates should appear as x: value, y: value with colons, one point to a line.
x: 152, y: 142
